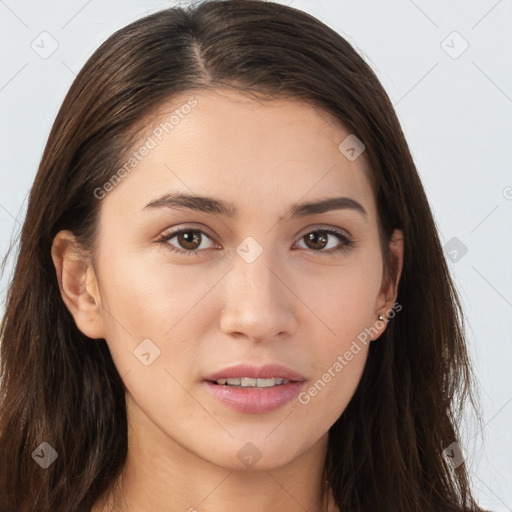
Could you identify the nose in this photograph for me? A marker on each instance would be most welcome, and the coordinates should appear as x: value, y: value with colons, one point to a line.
x: 259, y: 304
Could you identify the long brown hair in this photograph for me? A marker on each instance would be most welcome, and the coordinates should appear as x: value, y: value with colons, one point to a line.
x: 385, y: 452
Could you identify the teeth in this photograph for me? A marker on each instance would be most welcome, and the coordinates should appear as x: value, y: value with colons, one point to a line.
x: 247, y: 382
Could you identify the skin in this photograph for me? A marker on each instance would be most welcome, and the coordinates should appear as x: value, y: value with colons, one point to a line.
x: 296, y: 304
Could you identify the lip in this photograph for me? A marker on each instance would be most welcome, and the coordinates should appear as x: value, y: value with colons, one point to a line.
x: 256, y: 400
x: 266, y: 371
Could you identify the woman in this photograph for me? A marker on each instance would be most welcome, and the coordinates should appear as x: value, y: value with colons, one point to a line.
x: 230, y: 291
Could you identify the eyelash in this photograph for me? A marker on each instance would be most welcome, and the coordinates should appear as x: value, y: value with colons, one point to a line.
x: 346, y: 246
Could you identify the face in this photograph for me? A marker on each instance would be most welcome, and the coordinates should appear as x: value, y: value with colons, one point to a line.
x: 189, y: 290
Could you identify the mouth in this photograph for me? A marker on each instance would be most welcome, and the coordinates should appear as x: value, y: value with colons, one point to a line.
x: 255, y: 390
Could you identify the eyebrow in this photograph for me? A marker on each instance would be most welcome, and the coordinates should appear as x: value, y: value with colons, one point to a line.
x: 218, y: 207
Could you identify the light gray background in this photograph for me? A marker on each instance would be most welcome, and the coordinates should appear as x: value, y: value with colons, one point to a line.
x: 455, y: 106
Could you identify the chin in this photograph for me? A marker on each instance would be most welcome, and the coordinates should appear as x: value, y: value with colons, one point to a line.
x: 254, y: 451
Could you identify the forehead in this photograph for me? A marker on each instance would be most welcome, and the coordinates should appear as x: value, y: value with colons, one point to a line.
x: 246, y: 150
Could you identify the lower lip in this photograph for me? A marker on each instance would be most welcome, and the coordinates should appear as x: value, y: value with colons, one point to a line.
x: 255, y: 400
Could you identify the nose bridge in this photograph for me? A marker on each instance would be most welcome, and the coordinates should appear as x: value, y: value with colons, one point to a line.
x: 256, y: 303
x: 253, y: 274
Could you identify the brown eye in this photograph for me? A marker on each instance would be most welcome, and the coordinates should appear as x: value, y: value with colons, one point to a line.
x: 318, y: 240
x: 187, y: 241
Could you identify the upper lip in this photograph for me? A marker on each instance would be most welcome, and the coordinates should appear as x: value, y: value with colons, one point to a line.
x: 266, y: 371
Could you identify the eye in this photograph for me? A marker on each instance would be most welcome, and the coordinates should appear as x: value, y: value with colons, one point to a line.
x: 319, y: 239
x: 190, y: 240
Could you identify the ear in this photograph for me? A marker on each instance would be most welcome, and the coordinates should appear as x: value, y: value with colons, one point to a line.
x: 389, y: 291
x: 78, y: 284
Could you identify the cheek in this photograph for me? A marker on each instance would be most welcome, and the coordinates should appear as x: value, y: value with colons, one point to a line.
x: 346, y: 306
x: 338, y: 371
x: 344, y: 300
x: 328, y: 393
x: 148, y: 310
x: 145, y: 300
x: 146, y: 293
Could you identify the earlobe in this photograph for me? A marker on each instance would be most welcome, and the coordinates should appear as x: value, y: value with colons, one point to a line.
x: 78, y: 284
